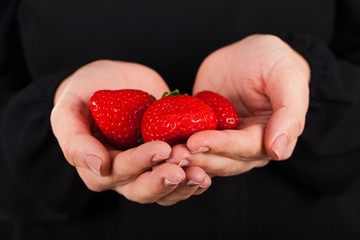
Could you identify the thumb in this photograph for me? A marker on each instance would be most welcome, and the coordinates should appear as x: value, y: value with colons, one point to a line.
x: 73, y: 132
x: 281, y: 134
x: 288, y: 91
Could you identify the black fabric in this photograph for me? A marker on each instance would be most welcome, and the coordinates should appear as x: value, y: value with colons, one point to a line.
x: 316, y: 193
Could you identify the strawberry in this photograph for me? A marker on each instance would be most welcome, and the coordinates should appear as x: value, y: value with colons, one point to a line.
x: 174, y: 118
x: 224, y: 110
x: 118, y: 114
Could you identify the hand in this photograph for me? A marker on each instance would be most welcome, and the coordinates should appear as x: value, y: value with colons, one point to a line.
x: 267, y: 81
x: 136, y: 173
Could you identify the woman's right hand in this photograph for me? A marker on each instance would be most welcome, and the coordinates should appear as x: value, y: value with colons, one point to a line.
x: 140, y: 174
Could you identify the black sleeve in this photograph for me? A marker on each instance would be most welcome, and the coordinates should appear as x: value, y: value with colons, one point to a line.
x: 36, y: 182
x: 327, y: 156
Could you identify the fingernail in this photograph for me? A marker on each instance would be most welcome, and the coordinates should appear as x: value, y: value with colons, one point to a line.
x: 158, y: 158
x: 192, y: 183
x: 184, y: 163
x: 201, y: 150
x: 279, y: 146
x: 94, y: 163
x: 202, y: 186
x: 205, y: 183
x: 169, y: 183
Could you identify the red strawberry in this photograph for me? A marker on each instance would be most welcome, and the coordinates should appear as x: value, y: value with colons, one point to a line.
x: 224, y: 110
x: 118, y: 114
x: 174, y: 119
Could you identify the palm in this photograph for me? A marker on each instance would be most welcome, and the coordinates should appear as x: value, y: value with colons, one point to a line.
x: 244, y: 88
x: 267, y: 82
x: 251, y: 104
x: 126, y: 172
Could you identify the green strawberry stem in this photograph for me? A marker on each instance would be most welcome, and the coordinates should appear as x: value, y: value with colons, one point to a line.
x: 173, y: 93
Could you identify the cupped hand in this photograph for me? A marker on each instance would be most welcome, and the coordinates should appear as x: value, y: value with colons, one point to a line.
x: 267, y: 81
x: 140, y: 173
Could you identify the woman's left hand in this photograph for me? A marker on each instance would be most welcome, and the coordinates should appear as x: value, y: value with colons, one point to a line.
x: 267, y: 81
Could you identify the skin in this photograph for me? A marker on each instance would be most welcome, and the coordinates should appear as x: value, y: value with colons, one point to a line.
x: 140, y: 174
x: 261, y: 75
x: 268, y: 83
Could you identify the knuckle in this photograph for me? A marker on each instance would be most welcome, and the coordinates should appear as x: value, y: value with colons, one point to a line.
x: 53, y: 116
x: 151, y: 72
x: 165, y: 203
x: 101, y: 62
x: 69, y: 153
x: 139, y: 199
x: 56, y: 114
x: 295, y: 120
x: 122, y: 179
x: 299, y: 123
x: 95, y: 187
x: 234, y: 171
x: 261, y: 164
x: 137, y: 195
x: 272, y: 39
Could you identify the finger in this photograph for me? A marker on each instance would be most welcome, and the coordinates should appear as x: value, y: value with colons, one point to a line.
x: 215, y: 165
x: 127, y: 166
x: 222, y: 157
x: 204, y: 186
x: 131, y: 163
x: 71, y: 126
x: 282, y: 133
x: 243, y: 144
x: 195, y: 178
x: 153, y: 185
x: 179, y: 155
x: 288, y: 91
